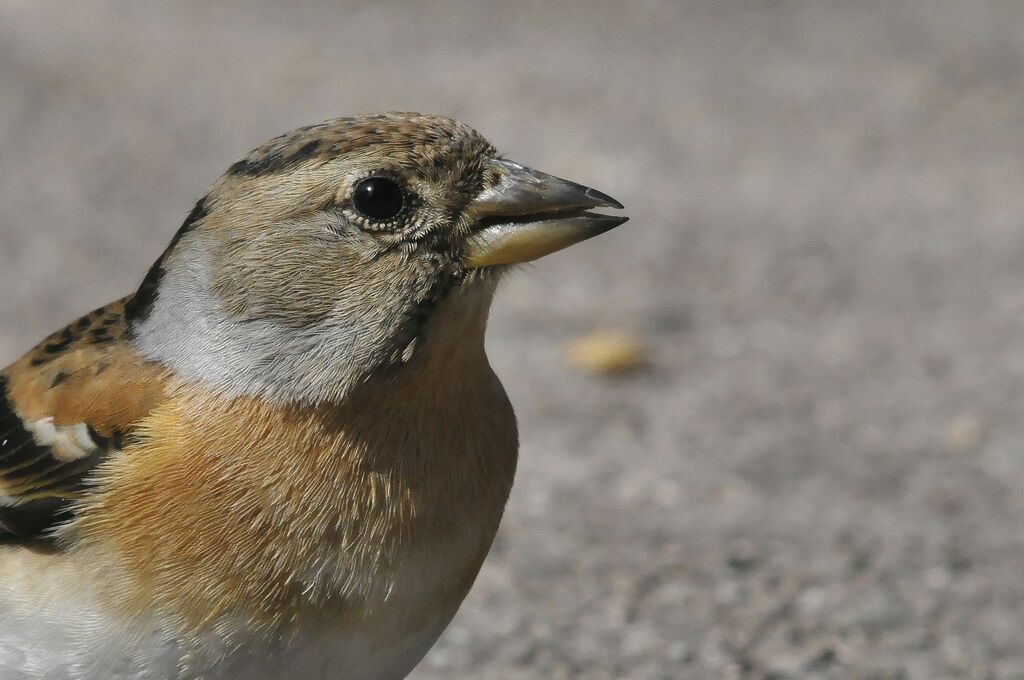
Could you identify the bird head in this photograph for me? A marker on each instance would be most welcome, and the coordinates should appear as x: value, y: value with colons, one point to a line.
x: 340, y: 249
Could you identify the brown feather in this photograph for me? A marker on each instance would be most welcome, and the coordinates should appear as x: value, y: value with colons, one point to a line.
x: 84, y: 375
x: 229, y: 505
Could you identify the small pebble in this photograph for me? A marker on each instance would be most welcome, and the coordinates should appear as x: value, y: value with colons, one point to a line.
x: 607, y: 353
x: 964, y: 434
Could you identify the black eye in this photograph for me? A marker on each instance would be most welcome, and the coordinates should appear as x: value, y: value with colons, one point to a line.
x: 378, y: 198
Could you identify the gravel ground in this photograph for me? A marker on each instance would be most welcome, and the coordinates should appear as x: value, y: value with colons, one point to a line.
x: 819, y: 473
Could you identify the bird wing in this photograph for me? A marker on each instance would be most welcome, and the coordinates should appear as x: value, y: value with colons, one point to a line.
x: 64, y: 407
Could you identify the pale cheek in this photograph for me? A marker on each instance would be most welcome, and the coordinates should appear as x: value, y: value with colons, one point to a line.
x: 295, y: 281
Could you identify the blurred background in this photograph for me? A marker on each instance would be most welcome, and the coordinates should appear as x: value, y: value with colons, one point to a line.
x: 816, y: 470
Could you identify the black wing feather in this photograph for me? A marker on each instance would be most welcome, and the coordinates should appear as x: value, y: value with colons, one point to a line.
x: 32, y: 470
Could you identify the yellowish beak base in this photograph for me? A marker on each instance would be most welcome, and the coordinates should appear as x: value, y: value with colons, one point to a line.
x: 517, y: 242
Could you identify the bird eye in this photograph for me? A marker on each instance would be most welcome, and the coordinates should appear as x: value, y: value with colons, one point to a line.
x: 378, y: 198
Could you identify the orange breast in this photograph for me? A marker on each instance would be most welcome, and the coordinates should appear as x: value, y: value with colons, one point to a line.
x: 234, y: 507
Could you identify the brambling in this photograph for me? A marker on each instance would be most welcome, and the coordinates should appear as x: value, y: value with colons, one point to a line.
x: 286, y: 455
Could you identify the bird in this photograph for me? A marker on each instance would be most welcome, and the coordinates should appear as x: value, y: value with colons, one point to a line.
x: 286, y: 454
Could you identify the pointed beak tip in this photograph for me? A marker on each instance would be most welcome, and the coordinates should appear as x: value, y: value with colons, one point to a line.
x: 609, y: 222
x: 530, y: 214
x: 603, y: 200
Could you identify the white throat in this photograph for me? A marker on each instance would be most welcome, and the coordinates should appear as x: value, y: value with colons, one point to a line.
x: 189, y: 331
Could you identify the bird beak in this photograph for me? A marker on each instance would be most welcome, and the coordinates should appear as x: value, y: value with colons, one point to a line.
x: 528, y: 214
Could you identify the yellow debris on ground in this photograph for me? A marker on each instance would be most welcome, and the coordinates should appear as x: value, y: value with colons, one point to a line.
x: 607, y: 353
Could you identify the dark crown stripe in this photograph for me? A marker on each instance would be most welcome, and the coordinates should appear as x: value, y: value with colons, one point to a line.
x: 256, y: 165
x: 140, y: 306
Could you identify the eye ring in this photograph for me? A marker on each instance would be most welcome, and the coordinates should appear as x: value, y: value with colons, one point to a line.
x: 379, y: 198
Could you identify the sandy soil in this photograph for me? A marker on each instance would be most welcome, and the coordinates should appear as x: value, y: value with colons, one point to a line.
x: 820, y: 473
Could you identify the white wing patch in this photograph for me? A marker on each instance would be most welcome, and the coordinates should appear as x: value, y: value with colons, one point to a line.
x: 68, y: 442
